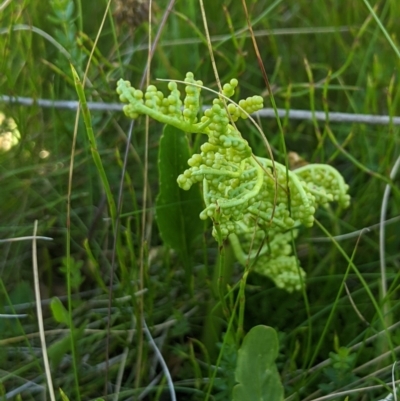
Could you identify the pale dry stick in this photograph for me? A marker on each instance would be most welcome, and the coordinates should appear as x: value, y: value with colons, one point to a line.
x: 160, y: 343
x: 373, y: 337
x: 40, y: 315
x: 394, y: 387
x: 385, y: 202
x: 356, y: 370
x: 16, y: 316
x: 358, y: 313
x: 348, y: 392
x: 373, y: 362
x: 5, y: 4
x: 162, y: 361
x: 376, y: 360
x: 333, y: 116
x: 29, y: 237
x: 354, y: 347
x: 391, y: 395
x: 293, y: 114
x: 356, y: 233
x: 344, y: 393
x: 373, y: 375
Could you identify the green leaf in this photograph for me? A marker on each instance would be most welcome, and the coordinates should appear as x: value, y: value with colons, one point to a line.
x: 256, y: 371
x: 64, y: 397
x: 60, y: 314
x: 62, y: 347
x: 177, y: 210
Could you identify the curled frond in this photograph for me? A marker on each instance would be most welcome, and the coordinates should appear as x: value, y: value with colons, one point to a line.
x: 250, y: 200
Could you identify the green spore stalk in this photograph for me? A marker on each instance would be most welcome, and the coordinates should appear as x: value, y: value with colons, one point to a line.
x: 240, y: 191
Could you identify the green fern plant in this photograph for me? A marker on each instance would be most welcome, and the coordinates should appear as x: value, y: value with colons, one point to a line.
x: 250, y: 200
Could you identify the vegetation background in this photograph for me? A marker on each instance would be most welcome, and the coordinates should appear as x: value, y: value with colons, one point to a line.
x: 339, y: 335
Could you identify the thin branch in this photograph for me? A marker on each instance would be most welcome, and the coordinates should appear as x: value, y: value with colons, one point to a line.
x: 16, y: 316
x: 29, y: 237
x: 162, y: 361
x: 5, y: 4
x: 338, y: 117
x: 385, y: 202
x: 354, y: 391
x: 333, y: 116
x: 40, y: 315
x: 356, y: 233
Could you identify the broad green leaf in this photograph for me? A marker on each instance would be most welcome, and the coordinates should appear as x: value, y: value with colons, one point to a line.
x: 58, y: 310
x: 177, y: 210
x: 256, y: 371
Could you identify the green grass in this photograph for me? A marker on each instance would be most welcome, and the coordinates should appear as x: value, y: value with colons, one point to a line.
x: 352, y: 66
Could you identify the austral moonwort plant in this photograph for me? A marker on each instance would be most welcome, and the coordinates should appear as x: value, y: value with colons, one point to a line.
x: 253, y: 201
